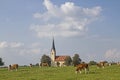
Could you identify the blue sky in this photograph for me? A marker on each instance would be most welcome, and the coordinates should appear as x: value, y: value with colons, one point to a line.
x: 87, y: 27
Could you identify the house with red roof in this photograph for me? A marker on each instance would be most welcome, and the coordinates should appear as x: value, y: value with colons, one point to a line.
x: 55, y: 58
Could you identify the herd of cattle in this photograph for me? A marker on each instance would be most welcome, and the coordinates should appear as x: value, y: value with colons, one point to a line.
x: 85, y: 66
x: 79, y: 67
x: 15, y: 66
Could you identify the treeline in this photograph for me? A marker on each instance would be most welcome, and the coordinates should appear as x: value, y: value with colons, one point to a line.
x: 1, y: 62
x: 75, y: 60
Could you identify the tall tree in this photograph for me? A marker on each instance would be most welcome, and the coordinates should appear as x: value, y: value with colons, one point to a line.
x: 46, y: 59
x: 68, y: 61
x: 1, y: 62
x: 76, y: 59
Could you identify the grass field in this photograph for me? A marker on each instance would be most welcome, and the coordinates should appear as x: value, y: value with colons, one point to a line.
x: 60, y: 73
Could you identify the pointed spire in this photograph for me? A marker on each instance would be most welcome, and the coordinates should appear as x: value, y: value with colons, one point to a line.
x: 53, y: 45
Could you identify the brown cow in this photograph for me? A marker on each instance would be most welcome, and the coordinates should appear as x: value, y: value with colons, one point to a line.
x: 101, y: 64
x: 81, y: 67
x: 12, y: 67
x: 44, y: 64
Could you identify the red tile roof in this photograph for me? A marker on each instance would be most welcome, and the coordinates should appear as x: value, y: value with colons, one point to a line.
x: 60, y: 58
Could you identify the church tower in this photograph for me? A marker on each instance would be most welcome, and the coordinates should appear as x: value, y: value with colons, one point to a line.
x: 53, y: 54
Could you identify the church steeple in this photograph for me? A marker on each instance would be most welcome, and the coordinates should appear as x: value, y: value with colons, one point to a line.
x: 53, y: 53
x: 53, y: 45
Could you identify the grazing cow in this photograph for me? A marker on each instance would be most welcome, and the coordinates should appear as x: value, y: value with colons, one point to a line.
x: 101, y: 64
x: 30, y: 65
x: 12, y: 67
x: 44, y: 64
x: 81, y: 67
x: 109, y: 64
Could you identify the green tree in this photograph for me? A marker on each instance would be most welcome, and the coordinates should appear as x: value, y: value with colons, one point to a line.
x: 76, y: 59
x: 46, y: 59
x: 92, y: 63
x: 1, y: 62
x: 68, y: 61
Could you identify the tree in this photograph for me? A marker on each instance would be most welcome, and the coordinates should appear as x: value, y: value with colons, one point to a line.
x: 1, y: 62
x: 46, y: 59
x: 68, y: 61
x: 76, y: 59
x: 92, y: 63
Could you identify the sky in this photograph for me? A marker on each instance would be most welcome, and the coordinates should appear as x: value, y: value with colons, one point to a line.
x: 89, y: 28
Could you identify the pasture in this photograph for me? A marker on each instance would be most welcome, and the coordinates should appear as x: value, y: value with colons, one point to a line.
x: 60, y: 73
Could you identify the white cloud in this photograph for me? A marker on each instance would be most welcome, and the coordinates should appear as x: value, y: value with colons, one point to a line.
x: 29, y: 51
x: 66, y: 20
x: 16, y: 44
x: 113, y: 54
x: 5, y: 44
x: 17, y: 52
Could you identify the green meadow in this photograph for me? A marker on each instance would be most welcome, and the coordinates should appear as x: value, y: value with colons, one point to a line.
x: 60, y: 73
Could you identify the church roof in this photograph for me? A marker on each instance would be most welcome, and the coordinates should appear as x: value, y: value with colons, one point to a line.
x: 60, y: 58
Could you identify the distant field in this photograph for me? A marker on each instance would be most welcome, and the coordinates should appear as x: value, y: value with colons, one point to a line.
x: 60, y: 73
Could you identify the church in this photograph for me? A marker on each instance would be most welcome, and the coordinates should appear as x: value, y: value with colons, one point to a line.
x: 55, y: 58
